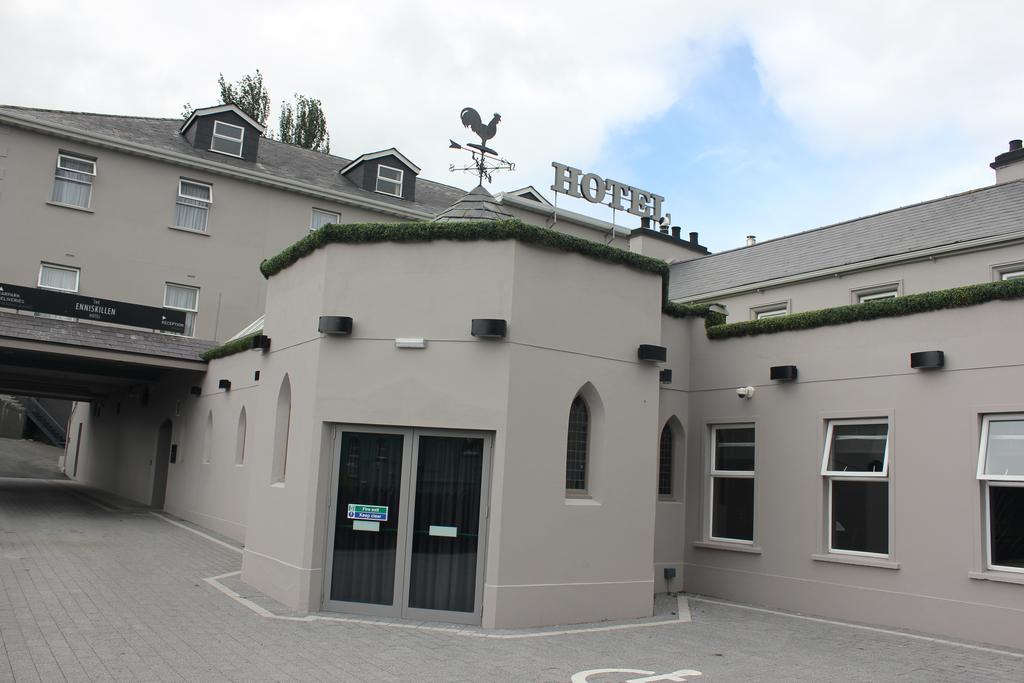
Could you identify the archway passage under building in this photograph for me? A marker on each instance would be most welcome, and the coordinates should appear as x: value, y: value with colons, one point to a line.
x: 46, y: 363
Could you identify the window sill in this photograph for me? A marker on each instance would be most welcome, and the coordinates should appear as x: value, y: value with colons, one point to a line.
x: 70, y: 206
x: 857, y: 560
x: 277, y: 485
x: 736, y: 548
x: 669, y: 501
x: 581, y: 501
x: 189, y: 230
x: 994, y: 575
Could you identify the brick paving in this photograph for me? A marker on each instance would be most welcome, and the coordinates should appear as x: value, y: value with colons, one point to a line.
x: 88, y: 593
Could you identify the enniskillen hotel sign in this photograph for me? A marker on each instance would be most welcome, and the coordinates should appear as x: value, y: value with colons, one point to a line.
x: 91, y: 308
x: 596, y: 190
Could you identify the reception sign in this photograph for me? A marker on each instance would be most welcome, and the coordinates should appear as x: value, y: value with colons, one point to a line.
x: 90, y: 308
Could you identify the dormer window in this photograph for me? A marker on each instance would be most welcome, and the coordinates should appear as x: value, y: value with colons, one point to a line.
x: 389, y: 180
x: 227, y: 139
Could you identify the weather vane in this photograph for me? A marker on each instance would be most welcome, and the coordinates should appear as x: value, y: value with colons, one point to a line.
x: 486, y: 161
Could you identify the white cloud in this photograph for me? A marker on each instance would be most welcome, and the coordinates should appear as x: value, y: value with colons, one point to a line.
x: 862, y: 79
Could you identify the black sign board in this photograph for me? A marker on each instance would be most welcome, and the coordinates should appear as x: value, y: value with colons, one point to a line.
x: 91, y: 308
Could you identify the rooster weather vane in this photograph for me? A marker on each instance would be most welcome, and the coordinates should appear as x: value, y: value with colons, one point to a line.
x: 485, y: 161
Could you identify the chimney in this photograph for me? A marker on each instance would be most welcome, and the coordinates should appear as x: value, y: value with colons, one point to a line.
x: 1010, y: 165
x: 645, y: 222
x: 675, y: 231
x: 693, y: 239
x: 751, y: 240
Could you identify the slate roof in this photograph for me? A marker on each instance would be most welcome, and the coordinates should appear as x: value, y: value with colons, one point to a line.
x: 478, y: 205
x: 93, y: 336
x: 986, y: 212
x: 274, y: 158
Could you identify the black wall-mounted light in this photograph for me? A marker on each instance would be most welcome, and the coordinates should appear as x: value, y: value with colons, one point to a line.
x: 783, y: 373
x: 261, y: 341
x: 196, y: 391
x: 224, y: 384
x: 335, y: 324
x: 489, y: 328
x: 665, y: 376
x: 927, y: 360
x: 652, y: 353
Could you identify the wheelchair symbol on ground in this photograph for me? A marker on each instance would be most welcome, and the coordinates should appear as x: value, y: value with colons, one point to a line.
x: 645, y: 676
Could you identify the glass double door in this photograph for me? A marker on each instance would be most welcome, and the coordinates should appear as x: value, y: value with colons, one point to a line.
x: 408, y: 522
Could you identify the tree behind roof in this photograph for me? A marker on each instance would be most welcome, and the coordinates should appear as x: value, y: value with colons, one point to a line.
x: 248, y: 94
x: 304, y: 124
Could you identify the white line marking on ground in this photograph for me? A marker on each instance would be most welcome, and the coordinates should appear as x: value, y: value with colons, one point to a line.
x: 453, y: 630
x: 197, y: 533
x: 683, y: 608
x: 873, y: 629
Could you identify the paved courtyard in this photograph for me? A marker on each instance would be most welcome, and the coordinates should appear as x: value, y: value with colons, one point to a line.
x: 94, y: 590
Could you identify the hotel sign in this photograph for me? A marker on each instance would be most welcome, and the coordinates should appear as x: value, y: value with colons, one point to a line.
x: 596, y: 190
x: 91, y: 308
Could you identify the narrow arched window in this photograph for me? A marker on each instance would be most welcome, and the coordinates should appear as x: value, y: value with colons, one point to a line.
x: 577, y: 447
x: 240, y: 439
x: 282, y: 425
x: 208, y: 438
x: 665, y: 462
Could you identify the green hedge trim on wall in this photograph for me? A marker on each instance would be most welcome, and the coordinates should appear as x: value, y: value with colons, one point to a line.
x: 711, y: 317
x: 464, y: 231
x: 230, y: 348
x: 970, y: 295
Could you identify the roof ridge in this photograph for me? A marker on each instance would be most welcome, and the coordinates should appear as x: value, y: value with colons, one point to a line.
x: 904, y: 207
x: 88, y: 113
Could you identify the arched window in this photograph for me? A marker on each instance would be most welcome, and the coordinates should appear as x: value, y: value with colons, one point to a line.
x: 281, y: 427
x: 665, y: 462
x: 240, y: 439
x: 577, y: 447
x: 208, y: 438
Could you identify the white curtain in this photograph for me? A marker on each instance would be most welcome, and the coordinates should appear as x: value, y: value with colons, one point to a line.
x: 192, y: 209
x: 58, y: 278
x: 71, y: 187
x: 322, y: 218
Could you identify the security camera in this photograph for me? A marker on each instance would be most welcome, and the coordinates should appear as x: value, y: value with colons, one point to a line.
x: 745, y: 392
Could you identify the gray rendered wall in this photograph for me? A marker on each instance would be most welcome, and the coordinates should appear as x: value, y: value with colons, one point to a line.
x: 936, y: 579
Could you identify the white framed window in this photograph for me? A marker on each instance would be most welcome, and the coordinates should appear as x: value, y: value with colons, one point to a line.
x: 855, y: 467
x: 183, y: 298
x: 875, y: 294
x: 72, y: 181
x: 192, y: 208
x: 1001, y: 473
x: 731, y: 486
x: 389, y: 180
x: 59, y: 278
x: 769, y: 311
x: 227, y: 138
x: 320, y: 218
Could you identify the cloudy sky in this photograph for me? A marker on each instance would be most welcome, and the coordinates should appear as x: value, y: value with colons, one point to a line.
x: 749, y: 117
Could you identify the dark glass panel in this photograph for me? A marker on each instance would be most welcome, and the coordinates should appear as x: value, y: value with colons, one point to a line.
x: 734, y: 449
x: 364, y: 560
x: 665, y: 462
x: 733, y: 509
x: 446, y: 523
x: 858, y: 448
x: 1006, y: 525
x: 860, y: 516
x: 576, y: 446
